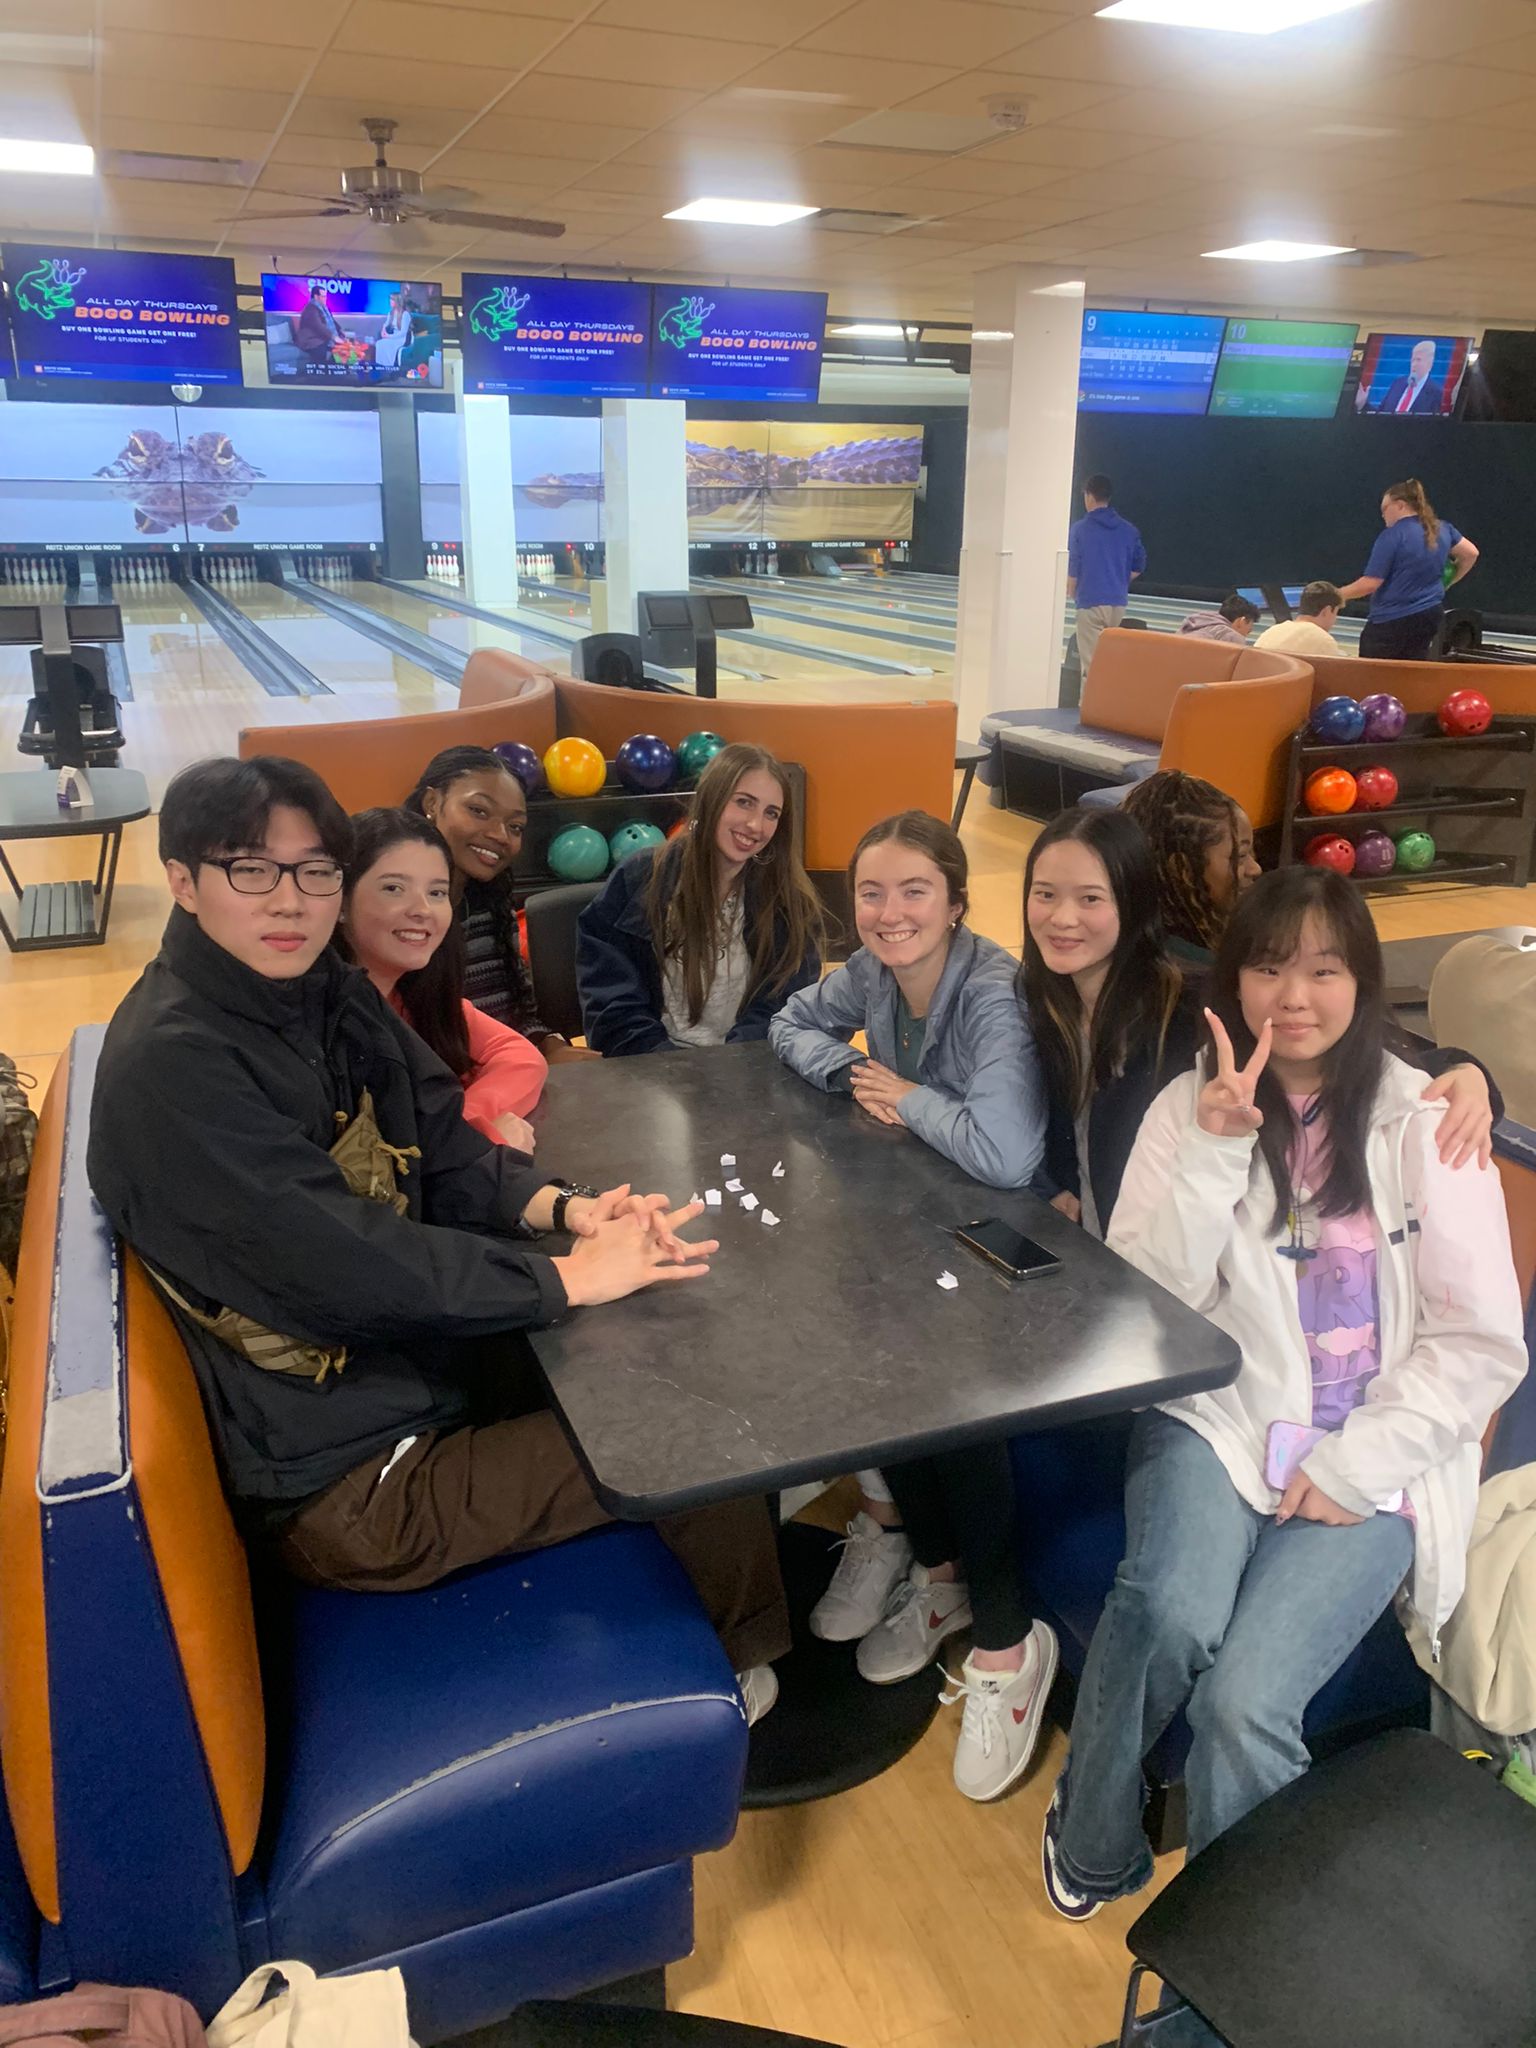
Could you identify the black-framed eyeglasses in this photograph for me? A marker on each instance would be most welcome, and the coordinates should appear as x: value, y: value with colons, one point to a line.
x: 253, y: 875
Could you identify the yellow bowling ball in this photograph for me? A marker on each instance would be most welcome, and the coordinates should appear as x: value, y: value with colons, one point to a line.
x: 575, y: 768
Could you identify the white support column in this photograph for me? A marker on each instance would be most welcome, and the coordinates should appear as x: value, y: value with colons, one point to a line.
x: 1018, y: 487
x: 485, y: 497
x: 645, y: 502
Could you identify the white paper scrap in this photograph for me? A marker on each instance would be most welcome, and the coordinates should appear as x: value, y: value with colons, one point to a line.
x: 770, y: 1219
x: 948, y: 1281
x: 712, y: 1198
x: 778, y: 1171
x: 734, y: 1187
x: 749, y: 1202
x: 695, y: 1198
x: 727, y: 1158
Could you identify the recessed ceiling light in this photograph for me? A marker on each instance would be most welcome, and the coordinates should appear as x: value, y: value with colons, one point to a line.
x: 872, y: 330
x: 743, y: 213
x: 1069, y: 290
x: 1236, y: 17
x: 1279, y: 252
x: 66, y: 159
x: 991, y: 334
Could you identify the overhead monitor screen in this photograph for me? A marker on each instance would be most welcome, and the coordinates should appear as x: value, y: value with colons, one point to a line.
x: 1147, y: 362
x: 1282, y: 369
x: 555, y: 336
x: 1501, y: 381
x: 359, y: 331
x: 1412, y: 375
x: 724, y: 343
x: 121, y: 315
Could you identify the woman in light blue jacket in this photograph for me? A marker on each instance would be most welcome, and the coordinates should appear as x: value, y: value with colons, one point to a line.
x: 952, y: 1059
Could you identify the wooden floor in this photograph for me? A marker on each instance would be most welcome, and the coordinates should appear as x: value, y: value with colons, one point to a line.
x: 895, y: 1916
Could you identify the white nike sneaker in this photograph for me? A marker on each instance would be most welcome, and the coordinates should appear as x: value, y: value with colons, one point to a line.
x: 873, y: 1561
x: 759, y: 1690
x: 1003, y: 1711
x: 919, y: 1618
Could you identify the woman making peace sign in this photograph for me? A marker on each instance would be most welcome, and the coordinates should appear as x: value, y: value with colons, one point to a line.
x: 1290, y: 1188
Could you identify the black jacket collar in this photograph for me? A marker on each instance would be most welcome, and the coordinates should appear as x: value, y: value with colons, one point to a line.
x: 307, y: 1005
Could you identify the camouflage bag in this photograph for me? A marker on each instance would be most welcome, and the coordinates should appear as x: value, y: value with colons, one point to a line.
x: 18, y: 1134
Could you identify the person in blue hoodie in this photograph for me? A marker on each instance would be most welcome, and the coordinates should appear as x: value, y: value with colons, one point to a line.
x: 1104, y: 558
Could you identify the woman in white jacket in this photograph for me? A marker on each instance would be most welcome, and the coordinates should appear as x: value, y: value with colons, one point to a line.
x: 1291, y: 1190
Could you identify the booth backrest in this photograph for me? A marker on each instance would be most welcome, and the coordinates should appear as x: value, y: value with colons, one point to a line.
x: 1425, y: 685
x: 492, y: 675
x: 377, y: 760
x: 131, y: 1716
x: 861, y: 761
x: 1237, y: 734
x: 1134, y: 677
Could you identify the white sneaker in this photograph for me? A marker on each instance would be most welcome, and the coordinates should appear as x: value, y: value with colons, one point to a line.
x: 759, y: 1690
x: 1001, y: 1723
x: 919, y: 1618
x: 873, y: 1561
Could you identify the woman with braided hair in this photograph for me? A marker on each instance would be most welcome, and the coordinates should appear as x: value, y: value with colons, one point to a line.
x: 1202, y: 843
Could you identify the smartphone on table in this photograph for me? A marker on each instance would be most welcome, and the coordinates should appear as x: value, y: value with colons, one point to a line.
x: 1008, y: 1249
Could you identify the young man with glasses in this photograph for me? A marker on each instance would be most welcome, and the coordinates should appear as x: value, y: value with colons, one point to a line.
x: 337, y: 1245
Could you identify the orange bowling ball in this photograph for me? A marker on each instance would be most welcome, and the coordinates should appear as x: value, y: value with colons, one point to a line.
x: 1328, y: 790
x: 577, y: 768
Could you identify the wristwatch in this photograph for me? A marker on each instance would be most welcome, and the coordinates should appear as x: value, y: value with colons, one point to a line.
x: 568, y: 1189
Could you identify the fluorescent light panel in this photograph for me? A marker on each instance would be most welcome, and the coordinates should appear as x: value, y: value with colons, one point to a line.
x: 63, y: 159
x: 1277, y: 252
x: 1232, y: 17
x: 743, y: 213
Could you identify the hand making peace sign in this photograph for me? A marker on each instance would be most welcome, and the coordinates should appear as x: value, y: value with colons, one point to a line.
x: 1226, y: 1106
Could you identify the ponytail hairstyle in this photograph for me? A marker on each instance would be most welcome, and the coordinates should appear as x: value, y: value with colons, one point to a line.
x: 1265, y: 930
x: 1143, y: 985
x: 934, y: 840
x: 432, y: 995
x: 1183, y: 818
x: 781, y: 913
x: 439, y: 775
x: 1412, y: 494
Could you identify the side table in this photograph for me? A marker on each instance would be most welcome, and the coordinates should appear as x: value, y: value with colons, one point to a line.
x: 56, y: 914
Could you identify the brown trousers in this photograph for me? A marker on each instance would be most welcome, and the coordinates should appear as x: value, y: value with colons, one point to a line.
x: 494, y: 1489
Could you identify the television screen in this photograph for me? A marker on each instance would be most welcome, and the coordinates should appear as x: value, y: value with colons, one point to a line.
x: 1282, y: 369
x: 724, y: 343
x: 359, y: 331
x: 1500, y: 383
x: 1414, y: 374
x: 555, y: 336
x: 1147, y: 362
x: 123, y: 315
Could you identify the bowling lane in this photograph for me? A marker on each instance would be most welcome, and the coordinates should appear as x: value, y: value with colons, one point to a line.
x: 427, y: 614
x: 349, y: 663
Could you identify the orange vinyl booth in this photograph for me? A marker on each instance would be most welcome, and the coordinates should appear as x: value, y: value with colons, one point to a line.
x: 861, y: 761
x: 1425, y: 685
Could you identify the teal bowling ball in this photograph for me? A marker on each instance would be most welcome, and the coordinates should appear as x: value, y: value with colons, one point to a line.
x: 696, y: 752
x: 634, y: 838
x: 1415, y: 852
x: 578, y: 854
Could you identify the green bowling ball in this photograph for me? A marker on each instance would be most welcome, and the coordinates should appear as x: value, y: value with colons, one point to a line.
x: 578, y: 854
x: 633, y: 839
x: 696, y: 752
x: 1415, y: 852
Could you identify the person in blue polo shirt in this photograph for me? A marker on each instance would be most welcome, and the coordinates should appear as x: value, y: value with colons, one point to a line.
x: 1104, y: 558
x: 1405, y: 578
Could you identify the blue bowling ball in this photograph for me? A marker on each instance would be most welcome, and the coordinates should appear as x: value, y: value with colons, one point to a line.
x: 634, y: 838
x: 645, y: 763
x: 1339, y: 721
x: 578, y: 854
x: 523, y: 762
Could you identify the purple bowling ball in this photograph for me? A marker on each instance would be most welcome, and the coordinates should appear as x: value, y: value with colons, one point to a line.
x: 1375, y: 854
x: 1385, y: 716
x: 645, y: 763
x: 523, y: 762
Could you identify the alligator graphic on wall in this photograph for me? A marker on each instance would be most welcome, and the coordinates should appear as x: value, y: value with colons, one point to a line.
x: 194, y: 483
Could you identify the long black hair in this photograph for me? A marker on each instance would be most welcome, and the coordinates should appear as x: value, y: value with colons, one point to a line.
x: 431, y: 995
x: 1266, y: 929
x: 1142, y: 987
x: 440, y: 774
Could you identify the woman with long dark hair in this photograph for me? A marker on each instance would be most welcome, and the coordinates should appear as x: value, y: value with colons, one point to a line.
x: 480, y: 808
x: 700, y: 942
x: 1405, y: 578
x: 397, y: 923
x: 1290, y: 1189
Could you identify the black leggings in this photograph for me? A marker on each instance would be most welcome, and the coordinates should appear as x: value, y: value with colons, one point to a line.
x: 958, y: 1508
x: 1410, y: 639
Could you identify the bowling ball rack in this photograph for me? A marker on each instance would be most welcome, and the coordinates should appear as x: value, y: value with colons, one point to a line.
x: 1475, y: 794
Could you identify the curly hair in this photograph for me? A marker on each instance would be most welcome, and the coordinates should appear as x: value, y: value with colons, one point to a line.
x: 1183, y: 818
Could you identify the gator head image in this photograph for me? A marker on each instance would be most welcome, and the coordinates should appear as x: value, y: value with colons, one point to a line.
x: 195, y: 483
x: 499, y: 311
x: 683, y: 324
x: 48, y: 288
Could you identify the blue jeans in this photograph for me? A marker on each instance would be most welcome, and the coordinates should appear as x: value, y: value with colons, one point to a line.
x: 1216, y: 1609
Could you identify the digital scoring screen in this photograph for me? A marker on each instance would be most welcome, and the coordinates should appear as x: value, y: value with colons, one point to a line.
x: 360, y: 332
x: 120, y: 315
x: 555, y: 336
x: 723, y: 343
x: 1147, y: 362
x: 1412, y: 375
x: 1282, y: 369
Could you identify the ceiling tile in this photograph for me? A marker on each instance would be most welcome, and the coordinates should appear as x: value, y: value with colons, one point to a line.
x: 182, y: 138
x: 861, y: 82
x: 581, y: 142
x: 624, y: 55
x: 453, y: 35
x: 306, y: 24
x: 484, y: 171
x: 1048, y: 99
x: 547, y: 98
x: 214, y: 106
x: 340, y: 120
x: 390, y: 85
x: 324, y: 155
x: 978, y: 171
x: 203, y: 60
x: 743, y: 21
x: 958, y: 32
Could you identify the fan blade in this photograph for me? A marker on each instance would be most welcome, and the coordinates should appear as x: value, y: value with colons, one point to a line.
x: 454, y: 217
x: 298, y: 213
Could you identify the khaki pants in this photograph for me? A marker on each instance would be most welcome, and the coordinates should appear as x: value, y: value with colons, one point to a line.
x: 1090, y: 624
x: 487, y: 1491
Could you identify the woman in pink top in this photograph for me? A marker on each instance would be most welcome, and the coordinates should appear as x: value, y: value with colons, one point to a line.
x: 398, y: 924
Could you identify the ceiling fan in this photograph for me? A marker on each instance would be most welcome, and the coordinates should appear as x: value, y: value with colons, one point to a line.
x: 391, y: 197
